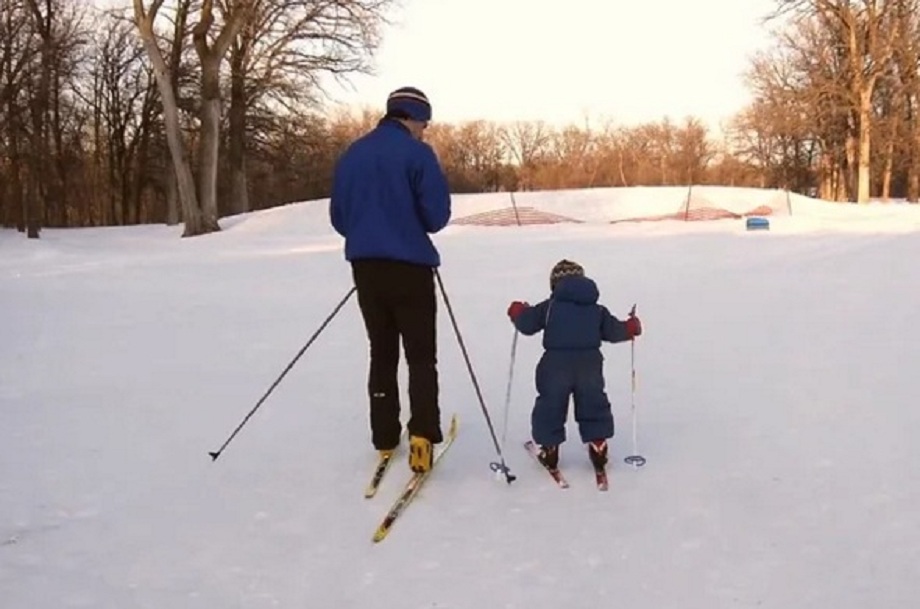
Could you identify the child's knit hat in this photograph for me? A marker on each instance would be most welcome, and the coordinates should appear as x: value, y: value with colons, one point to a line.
x: 564, y: 268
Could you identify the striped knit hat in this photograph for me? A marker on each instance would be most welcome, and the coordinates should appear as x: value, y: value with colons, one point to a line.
x: 564, y: 268
x: 409, y: 102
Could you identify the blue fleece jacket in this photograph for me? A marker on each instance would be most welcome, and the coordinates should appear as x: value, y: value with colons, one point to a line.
x: 571, y: 319
x: 389, y: 193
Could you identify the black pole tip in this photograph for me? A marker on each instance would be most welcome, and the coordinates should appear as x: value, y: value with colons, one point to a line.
x: 502, y: 468
x: 636, y: 460
x: 214, y: 456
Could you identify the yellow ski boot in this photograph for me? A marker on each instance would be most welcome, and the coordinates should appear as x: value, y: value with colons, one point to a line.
x: 421, y: 454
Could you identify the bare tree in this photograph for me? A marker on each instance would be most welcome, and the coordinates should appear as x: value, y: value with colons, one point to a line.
x: 16, y: 56
x: 527, y: 144
x: 471, y: 153
x: 804, y: 111
x: 40, y: 170
x: 693, y: 151
x: 123, y: 103
x: 145, y: 19
x: 794, y: 89
x: 280, y: 56
x: 211, y: 54
x: 174, y: 64
x: 905, y: 77
x: 865, y: 33
x: 572, y: 150
x: 753, y: 138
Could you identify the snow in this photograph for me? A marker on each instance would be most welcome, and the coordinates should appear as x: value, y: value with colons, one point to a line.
x: 776, y: 404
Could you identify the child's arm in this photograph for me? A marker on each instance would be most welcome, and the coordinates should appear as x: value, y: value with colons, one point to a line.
x: 615, y: 331
x: 531, y: 319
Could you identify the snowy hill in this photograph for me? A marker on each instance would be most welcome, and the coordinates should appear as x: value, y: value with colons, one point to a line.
x: 776, y: 406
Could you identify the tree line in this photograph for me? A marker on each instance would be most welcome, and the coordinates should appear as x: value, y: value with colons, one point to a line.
x: 185, y: 111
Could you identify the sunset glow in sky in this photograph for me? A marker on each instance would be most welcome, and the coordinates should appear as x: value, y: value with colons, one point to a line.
x: 505, y: 60
x: 536, y: 59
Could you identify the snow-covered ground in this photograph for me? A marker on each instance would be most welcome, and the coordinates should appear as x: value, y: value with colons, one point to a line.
x: 777, y: 404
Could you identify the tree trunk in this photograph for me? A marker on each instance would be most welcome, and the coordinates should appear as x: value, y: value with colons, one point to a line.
x: 913, y: 185
x: 114, y: 189
x: 138, y: 177
x: 848, y: 177
x: 39, y: 167
x: 15, y: 169
x: 173, y: 205
x: 209, y: 145
x: 210, y: 57
x: 913, y: 171
x: 239, y: 103
x: 98, y: 158
x: 172, y: 199
x: 60, y: 198
x: 139, y: 157
x: 185, y: 183
x: 865, y: 140
x: 236, y: 153
x: 888, y: 169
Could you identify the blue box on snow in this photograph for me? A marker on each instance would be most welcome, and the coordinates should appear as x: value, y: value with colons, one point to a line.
x: 757, y: 223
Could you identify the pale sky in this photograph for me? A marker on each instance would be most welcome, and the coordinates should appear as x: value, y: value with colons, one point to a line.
x: 555, y: 60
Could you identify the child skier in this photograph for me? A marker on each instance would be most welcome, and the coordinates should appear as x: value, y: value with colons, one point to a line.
x: 574, y: 326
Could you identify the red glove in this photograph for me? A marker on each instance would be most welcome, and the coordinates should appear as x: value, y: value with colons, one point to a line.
x: 516, y: 308
x: 633, y: 326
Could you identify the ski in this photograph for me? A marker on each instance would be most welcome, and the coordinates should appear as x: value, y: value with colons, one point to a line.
x: 412, y: 487
x: 383, y: 464
x: 384, y: 460
x: 531, y: 448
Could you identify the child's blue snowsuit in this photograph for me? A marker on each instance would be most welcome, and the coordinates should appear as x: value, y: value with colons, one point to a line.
x: 573, y: 326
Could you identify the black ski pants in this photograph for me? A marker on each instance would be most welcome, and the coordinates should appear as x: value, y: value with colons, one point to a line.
x: 397, y: 301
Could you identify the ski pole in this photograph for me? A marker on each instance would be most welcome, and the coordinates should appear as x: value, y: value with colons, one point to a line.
x: 514, y: 341
x: 634, y: 459
x: 500, y: 466
x: 497, y: 467
x: 217, y: 453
